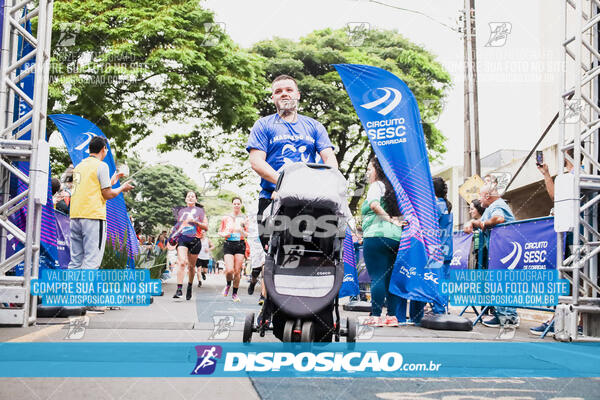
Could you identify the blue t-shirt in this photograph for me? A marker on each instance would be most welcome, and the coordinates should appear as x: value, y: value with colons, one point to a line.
x: 498, y: 208
x: 286, y: 142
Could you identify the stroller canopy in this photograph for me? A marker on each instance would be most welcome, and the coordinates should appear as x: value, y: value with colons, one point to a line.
x: 314, y: 184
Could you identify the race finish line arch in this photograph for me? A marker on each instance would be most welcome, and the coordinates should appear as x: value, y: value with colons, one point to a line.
x: 22, y: 139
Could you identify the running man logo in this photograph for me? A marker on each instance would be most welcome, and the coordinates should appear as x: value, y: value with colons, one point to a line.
x: 223, y: 324
x: 391, y: 104
x: 456, y: 258
x: 499, y: 32
x: 518, y: 250
x: 207, y: 359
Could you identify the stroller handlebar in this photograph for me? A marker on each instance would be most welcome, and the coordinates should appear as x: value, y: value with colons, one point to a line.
x: 310, y: 165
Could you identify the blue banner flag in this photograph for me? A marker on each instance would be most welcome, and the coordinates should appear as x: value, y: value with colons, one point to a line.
x: 77, y: 133
x: 525, y: 245
x: 390, y: 117
x: 461, y: 243
x: 350, y: 283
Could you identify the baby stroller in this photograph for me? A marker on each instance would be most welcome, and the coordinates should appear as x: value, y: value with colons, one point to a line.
x: 304, y: 267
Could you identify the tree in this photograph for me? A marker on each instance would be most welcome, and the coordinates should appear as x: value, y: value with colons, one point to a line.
x: 323, y: 97
x: 59, y: 160
x: 125, y: 64
x: 157, y: 190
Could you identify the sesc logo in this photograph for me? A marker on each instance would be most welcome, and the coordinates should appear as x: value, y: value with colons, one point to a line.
x: 83, y: 146
x: 516, y: 252
x: 207, y: 359
x: 392, y: 98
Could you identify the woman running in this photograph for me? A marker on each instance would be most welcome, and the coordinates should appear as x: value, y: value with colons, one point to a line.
x: 187, y: 233
x: 234, y: 228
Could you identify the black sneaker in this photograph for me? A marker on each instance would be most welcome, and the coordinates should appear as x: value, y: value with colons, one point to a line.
x: 251, y: 288
x: 178, y: 294
x: 188, y: 292
x: 203, y: 276
x: 199, y: 283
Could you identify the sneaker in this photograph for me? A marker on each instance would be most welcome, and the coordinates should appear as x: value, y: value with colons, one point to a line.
x: 226, y: 291
x: 391, y: 321
x: 409, y: 322
x: 235, y: 298
x: 491, y: 322
x: 261, y: 300
x: 178, y: 294
x: 539, y: 330
x: 380, y: 321
x: 188, y: 292
x: 494, y: 322
x: 371, y: 321
x: 251, y: 288
x: 203, y: 276
x: 199, y: 283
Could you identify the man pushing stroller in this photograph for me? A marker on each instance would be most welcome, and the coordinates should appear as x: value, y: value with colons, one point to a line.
x: 283, y: 138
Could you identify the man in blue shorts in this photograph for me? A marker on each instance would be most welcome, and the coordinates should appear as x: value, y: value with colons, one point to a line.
x: 282, y: 138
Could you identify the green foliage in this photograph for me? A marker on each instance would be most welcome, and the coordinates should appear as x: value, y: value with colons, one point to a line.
x: 125, y: 64
x: 157, y: 190
x: 59, y: 160
x: 323, y: 97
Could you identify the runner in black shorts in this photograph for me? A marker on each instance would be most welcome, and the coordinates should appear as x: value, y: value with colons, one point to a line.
x: 234, y: 228
x: 203, y: 258
x: 187, y: 233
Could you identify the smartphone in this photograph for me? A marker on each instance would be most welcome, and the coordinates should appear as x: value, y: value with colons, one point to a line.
x: 539, y: 157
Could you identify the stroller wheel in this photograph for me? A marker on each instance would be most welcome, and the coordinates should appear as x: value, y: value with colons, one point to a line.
x: 308, y: 334
x: 288, y: 330
x: 352, y: 330
x: 248, y: 328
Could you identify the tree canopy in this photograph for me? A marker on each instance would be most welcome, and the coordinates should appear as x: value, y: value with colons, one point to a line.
x: 125, y: 64
x: 310, y: 61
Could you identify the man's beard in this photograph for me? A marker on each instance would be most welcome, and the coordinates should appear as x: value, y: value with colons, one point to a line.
x: 287, y: 106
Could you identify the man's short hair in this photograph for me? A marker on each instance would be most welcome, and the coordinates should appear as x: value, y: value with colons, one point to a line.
x: 284, y: 78
x: 97, y: 144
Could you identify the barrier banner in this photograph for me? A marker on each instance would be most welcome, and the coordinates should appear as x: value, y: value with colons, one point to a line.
x: 77, y: 133
x: 525, y: 245
x: 390, y: 116
x: 63, y: 239
x: 462, y: 250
